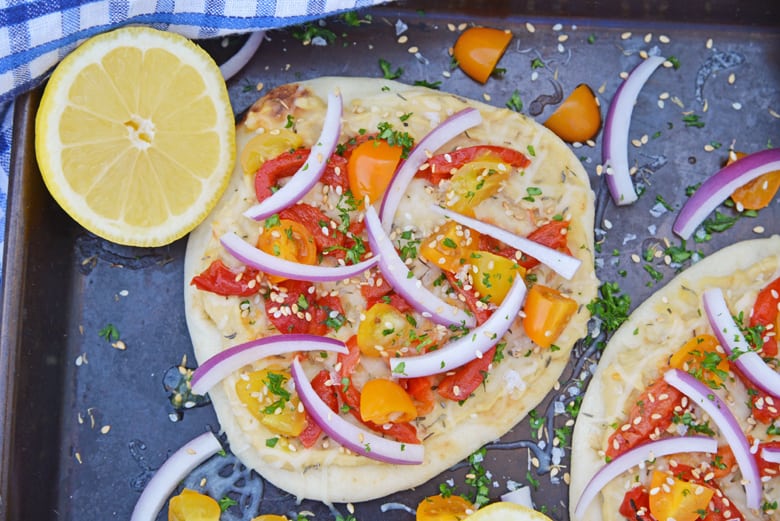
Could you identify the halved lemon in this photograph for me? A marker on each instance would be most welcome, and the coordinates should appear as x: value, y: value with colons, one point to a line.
x: 135, y: 135
x: 506, y: 511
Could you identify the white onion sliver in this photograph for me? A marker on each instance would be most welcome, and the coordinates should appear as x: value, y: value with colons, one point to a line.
x: 236, y: 62
x: 435, y: 139
x: 216, y: 368
x: 736, y: 346
x: 638, y: 456
x: 466, y: 348
x: 564, y: 265
x: 614, y: 150
x: 311, y: 171
x: 770, y: 454
x: 170, y: 474
x: 251, y: 256
x: 405, y: 284
x: 350, y: 436
x: 720, y: 186
x: 728, y: 425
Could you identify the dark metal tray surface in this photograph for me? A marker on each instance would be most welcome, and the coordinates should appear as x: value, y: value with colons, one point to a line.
x: 85, y: 424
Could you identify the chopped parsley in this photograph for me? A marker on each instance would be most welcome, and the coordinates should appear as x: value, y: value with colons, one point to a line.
x: 533, y: 192
x: 226, y: 502
x: 537, y: 63
x: 692, y: 120
x: 408, y: 248
x: 610, y: 306
x: 395, y: 137
x: 679, y: 254
x: 532, y: 480
x: 109, y: 332
x: 660, y: 200
x: 478, y: 479
x: 515, y: 103
x: 275, y: 384
x: 719, y: 223
x: 436, y: 85
x: 387, y: 70
x: 290, y: 121
x: 309, y: 31
x: 691, y: 189
x: 674, y: 61
x: 654, y: 273
x: 352, y: 18
x: 689, y: 421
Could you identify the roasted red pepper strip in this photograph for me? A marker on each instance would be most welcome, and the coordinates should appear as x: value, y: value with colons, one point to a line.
x: 549, y: 234
x: 653, y: 409
x: 764, y: 407
x: 481, y: 313
x: 314, y: 220
x: 421, y: 390
x: 636, y: 505
x: 441, y: 166
x: 312, y: 311
x: 288, y: 163
x: 350, y: 396
x: 327, y: 393
x: 765, y: 313
x: 220, y: 279
x: 384, y: 293
x: 766, y: 468
x: 467, y: 378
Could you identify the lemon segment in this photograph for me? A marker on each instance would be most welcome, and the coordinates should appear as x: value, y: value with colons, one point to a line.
x: 135, y: 136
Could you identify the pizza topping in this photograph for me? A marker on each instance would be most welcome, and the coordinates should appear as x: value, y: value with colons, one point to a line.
x: 221, y: 280
x: 312, y: 169
x: 771, y: 452
x: 443, y: 166
x: 758, y: 193
x: 350, y: 436
x: 639, y: 456
x: 264, y: 148
x: 615, y: 148
x: 226, y: 362
x: 268, y: 398
x: 729, y: 427
x: 492, y: 275
x: 578, y: 118
x: 636, y: 504
x: 442, y: 507
x: 547, y: 312
x: 190, y: 505
x: 475, y: 182
x: 459, y: 385
x: 321, y: 384
x: 467, y: 347
x: 542, y: 245
x: 371, y: 167
x: 733, y: 342
x: 273, y: 265
x: 288, y: 240
x: 293, y: 307
x: 720, y: 186
x: 700, y: 357
x: 383, y: 331
x: 766, y: 313
x: 450, y: 246
x: 478, y: 49
x: 671, y: 497
x: 435, y: 139
x: 405, y: 283
x: 384, y: 401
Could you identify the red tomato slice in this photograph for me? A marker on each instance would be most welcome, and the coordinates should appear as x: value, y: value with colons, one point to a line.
x: 636, y: 505
x: 653, y: 409
x: 288, y: 163
x: 384, y: 293
x: 314, y: 220
x: 220, y: 279
x: 549, y: 234
x: 765, y: 312
x: 467, y: 378
x: 327, y: 393
x: 441, y: 166
x: 421, y: 390
x: 312, y: 312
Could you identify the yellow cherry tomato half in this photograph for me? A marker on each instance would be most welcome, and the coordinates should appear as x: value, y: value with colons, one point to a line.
x: 191, y: 505
x: 493, y: 275
x: 677, y: 499
x: 450, y: 246
x: 263, y: 147
x: 383, y: 331
x: 478, y: 50
x: 384, y: 401
x: 547, y: 312
x: 267, y: 398
x: 759, y: 192
x: 700, y: 357
x: 371, y: 167
x: 441, y: 508
x: 289, y: 240
x: 474, y: 182
x: 269, y: 517
x: 578, y: 118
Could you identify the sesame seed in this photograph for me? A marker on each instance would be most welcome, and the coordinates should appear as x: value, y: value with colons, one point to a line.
x: 708, y: 45
x: 648, y: 37
x: 635, y: 257
x: 758, y: 229
x: 413, y: 49
x: 403, y: 38
x: 664, y: 39
x: 530, y: 27
x: 626, y: 35
x: 562, y: 38
x: 736, y: 105
x: 451, y: 27
x: 623, y: 75
x: 732, y: 78
x: 557, y: 27
x: 708, y: 148
x: 105, y: 429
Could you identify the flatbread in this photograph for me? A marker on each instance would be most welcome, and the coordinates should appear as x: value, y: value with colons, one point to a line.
x: 639, y: 351
x: 515, y: 385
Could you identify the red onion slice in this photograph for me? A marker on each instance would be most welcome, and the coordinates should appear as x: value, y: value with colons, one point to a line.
x: 251, y: 256
x: 564, y: 265
x: 729, y: 427
x: 435, y: 139
x: 219, y: 366
x: 242, y: 57
x: 735, y: 345
x: 170, y: 474
x: 771, y: 454
x: 614, y: 151
x: 469, y: 346
x: 636, y: 457
x: 350, y: 436
x: 405, y: 283
x: 307, y: 176
x: 720, y: 186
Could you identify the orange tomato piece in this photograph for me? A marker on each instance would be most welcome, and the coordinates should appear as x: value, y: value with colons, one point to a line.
x: 673, y: 498
x: 578, y: 118
x: 384, y: 401
x: 288, y: 240
x: 191, y: 505
x: 450, y: 246
x: 547, y: 312
x: 371, y: 167
x: 493, y: 275
x: 478, y: 50
x: 699, y: 356
x: 759, y: 192
x: 383, y: 331
x: 441, y: 508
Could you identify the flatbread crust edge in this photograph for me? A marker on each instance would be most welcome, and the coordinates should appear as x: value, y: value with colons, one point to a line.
x: 653, y: 332
x: 368, y: 479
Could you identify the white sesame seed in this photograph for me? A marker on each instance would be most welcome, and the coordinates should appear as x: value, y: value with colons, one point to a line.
x: 626, y: 35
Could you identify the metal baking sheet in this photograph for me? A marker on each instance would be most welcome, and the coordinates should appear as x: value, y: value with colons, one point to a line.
x: 85, y: 424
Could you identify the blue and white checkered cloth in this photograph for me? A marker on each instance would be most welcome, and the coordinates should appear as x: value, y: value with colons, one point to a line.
x: 36, y: 34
